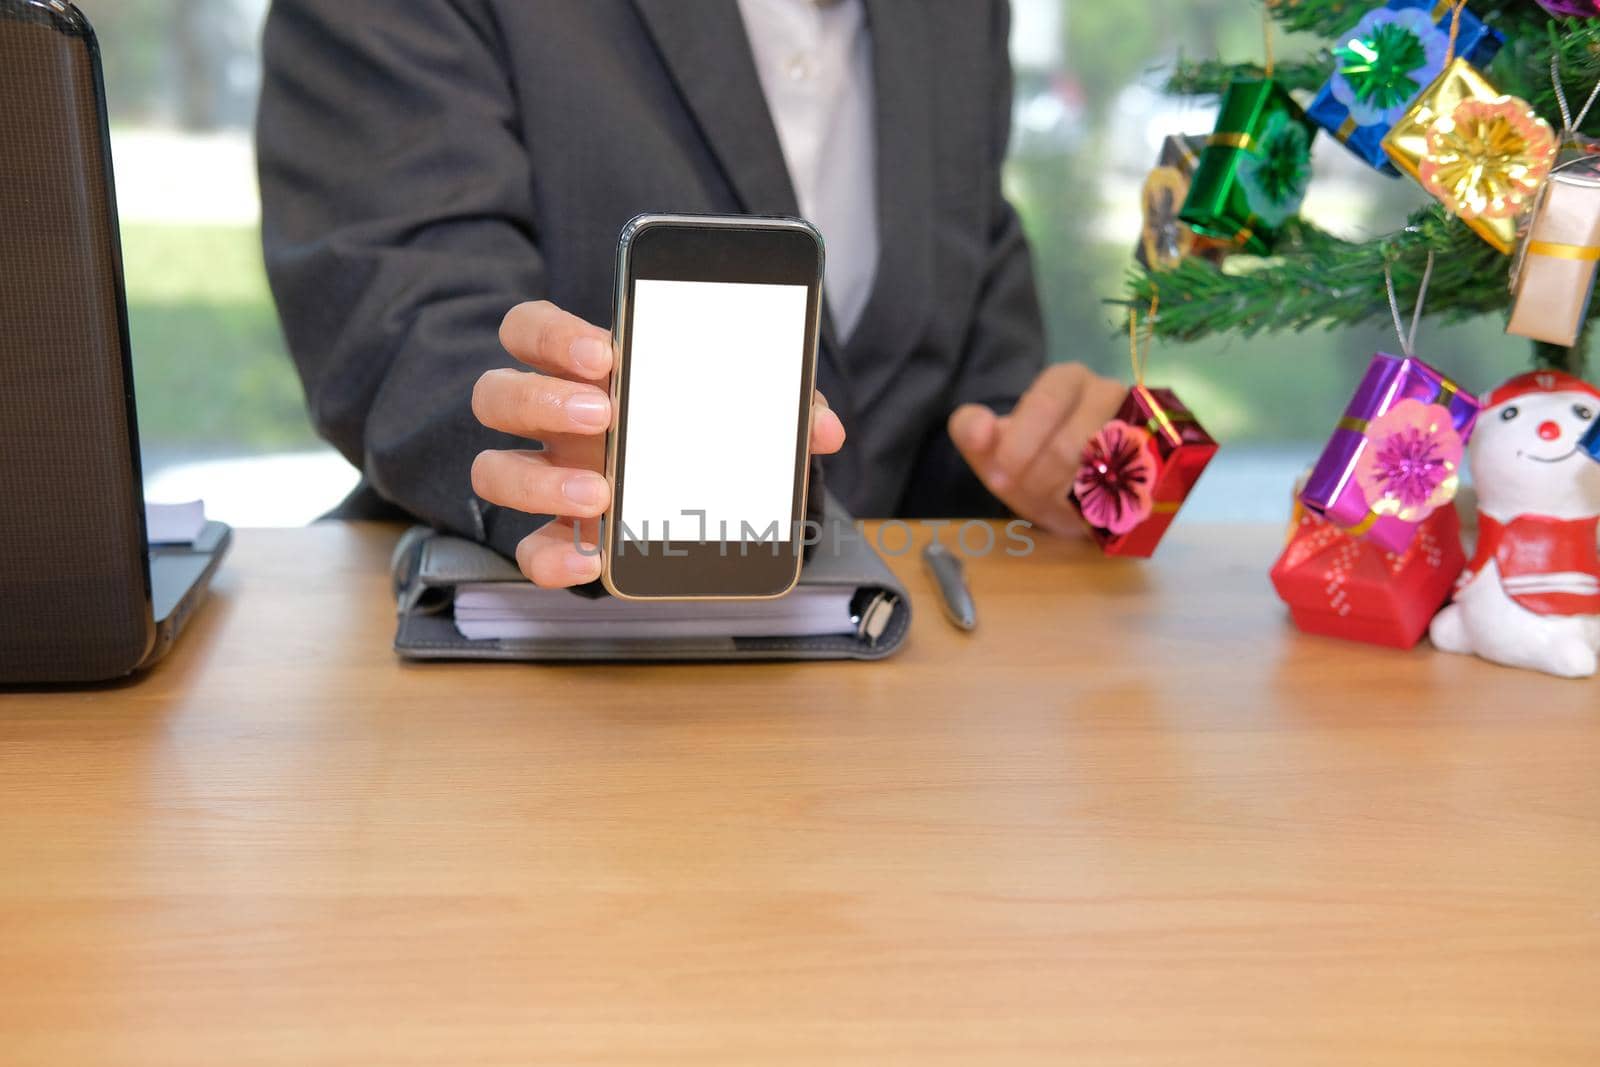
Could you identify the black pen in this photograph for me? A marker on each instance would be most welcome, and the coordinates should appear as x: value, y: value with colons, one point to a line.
x: 950, y: 577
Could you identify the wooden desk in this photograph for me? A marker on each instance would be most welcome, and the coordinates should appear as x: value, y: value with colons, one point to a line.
x: 1133, y: 820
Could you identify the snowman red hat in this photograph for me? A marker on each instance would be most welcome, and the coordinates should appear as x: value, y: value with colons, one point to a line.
x: 1537, y: 383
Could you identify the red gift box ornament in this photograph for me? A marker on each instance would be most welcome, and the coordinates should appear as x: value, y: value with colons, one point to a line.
x: 1339, y: 586
x: 1138, y: 470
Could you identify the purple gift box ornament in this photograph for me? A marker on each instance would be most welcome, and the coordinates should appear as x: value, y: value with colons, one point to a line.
x: 1396, y: 456
x: 1582, y: 9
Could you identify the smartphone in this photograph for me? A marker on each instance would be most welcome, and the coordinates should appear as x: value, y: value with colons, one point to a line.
x: 715, y: 337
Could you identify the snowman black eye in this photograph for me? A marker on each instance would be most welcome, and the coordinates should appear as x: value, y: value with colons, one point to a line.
x: 1583, y: 412
x: 1509, y: 413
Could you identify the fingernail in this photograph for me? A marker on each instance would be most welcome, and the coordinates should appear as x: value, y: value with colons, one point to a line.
x: 583, y: 566
x: 592, y: 356
x: 590, y: 409
x: 998, y: 480
x: 585, y: 490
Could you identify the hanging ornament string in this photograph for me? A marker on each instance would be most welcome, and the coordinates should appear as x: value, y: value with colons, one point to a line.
x: 1266, y: 33
x: 1455, y: 31
x: 1160, y: 421
x: 1408, y: 341
x: 1140, y: 352
x: 1569, y: 125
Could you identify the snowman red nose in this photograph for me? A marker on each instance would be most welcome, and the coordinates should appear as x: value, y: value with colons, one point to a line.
x: 1549, y: 431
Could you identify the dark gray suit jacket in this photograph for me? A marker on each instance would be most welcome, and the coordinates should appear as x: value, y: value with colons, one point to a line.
x: 426, y: 165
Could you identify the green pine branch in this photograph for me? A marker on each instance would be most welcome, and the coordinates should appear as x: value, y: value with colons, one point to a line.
x: 1523, y: 68
x: 1317, y: 280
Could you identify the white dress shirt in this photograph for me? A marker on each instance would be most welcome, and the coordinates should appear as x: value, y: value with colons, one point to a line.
x: 815, y: 62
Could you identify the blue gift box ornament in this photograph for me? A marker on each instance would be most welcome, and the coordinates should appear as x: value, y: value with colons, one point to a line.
x: 1385, y: 62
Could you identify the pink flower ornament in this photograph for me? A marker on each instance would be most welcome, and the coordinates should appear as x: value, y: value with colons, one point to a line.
x: 1411, y: 466
x: 1115, y: 487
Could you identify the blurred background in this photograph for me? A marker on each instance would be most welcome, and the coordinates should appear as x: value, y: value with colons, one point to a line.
x: 220, y: 408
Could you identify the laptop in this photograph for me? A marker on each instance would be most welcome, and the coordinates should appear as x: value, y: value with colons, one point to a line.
x: 83, y: 597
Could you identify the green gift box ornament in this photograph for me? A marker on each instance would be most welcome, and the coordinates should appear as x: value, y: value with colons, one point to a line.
x: 1255, y: 169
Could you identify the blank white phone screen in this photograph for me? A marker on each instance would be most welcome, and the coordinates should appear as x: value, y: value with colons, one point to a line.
x: 713, y: 402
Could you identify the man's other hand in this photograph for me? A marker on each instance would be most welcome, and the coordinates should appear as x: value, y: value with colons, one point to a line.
x: 564, y: 402
x: 1029, y: 458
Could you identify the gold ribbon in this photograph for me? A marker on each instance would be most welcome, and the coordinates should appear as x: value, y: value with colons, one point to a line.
x: 1169, y: 419
x: 1136, y: 352
x: 1161, y: 422
x: 1346, y: 129
x: 1441, y: 9
x: 1243, y: 235
x: 1242, y: 141
x: 1364, y: 527
x: 1555, y: 250
x: 1455, y: 7
x: 1447, y: 392
x: 1160, y: 419
x: 1266, y: 33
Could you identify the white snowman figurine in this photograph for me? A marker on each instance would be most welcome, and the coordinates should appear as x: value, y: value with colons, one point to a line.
x: 1530, y: 597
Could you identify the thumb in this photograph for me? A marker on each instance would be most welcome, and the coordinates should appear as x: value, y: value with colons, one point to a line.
x: 975, y: 430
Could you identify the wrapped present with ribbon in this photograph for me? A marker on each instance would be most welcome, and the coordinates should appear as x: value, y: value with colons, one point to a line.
x: 1166, y: 240
x: 1138, y: 470
x: 1255, y: 169
x: 1554, y: 279
x: 1482, y: 154
x: 1385, y: 62
x: 1395, y: 457
x: 1339, y: 586
x: 1142, y: 465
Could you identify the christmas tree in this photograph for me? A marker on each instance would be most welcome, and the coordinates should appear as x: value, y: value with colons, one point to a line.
x: 1312, y: 278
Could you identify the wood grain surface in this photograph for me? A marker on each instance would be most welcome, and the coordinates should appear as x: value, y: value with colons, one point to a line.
x: 1133, y: 819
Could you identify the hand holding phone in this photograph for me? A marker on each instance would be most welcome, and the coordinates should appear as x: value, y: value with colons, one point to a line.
x: 726, y: 311
x: 564, y: 402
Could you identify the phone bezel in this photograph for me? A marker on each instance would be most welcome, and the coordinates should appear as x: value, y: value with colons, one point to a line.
x: 749, y: 249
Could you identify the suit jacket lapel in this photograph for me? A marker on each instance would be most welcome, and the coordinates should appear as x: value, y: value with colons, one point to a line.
x: 707, y: 51
x: 705, y: 48
x: 903, y: 293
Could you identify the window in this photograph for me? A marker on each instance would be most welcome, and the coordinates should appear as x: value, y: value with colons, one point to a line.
x: 221, y: 411
x: 1090, y: 115
x: 221, y: 415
